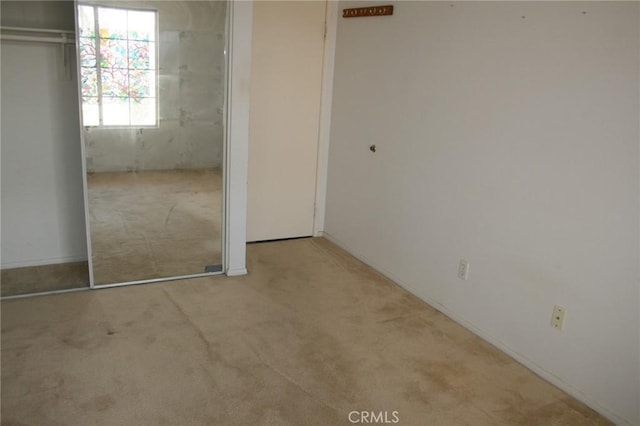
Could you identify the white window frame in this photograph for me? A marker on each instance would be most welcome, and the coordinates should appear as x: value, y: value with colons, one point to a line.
x: 98, y: 68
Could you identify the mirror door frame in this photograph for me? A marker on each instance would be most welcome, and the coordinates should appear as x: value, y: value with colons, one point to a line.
x: 235, y: 149
x: 237, y: 137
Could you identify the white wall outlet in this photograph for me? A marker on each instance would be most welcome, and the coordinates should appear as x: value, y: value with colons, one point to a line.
x: 557, y: 320
x: 463, y: 269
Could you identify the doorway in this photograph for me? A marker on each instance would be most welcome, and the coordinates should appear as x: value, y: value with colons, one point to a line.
x: 286, y: 93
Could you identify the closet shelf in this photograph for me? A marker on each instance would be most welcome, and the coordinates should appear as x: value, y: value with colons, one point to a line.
x: 37, y: 35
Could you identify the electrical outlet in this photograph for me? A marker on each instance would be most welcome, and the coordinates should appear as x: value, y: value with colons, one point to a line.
x: 463, y: 270
x: 557, y: 320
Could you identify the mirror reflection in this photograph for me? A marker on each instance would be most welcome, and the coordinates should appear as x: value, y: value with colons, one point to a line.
x: 152, y: 87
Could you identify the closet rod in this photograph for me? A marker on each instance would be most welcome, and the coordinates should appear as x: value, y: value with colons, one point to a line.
x: 36, y: 30
x: 38, y: 35
x: 61, y: 40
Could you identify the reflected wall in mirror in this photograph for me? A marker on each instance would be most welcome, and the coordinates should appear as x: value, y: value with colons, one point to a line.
x: 152, y: 87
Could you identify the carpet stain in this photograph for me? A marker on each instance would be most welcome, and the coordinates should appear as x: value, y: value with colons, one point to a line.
x: 440, y: 374
x: 99, y: 403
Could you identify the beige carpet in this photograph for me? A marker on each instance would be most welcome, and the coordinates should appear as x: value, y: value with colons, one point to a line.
x: 307, y: 337
x: 154, y: 224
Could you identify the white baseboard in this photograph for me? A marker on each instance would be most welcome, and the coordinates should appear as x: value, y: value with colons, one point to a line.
x: 237, y: 272
x: 522, y: 359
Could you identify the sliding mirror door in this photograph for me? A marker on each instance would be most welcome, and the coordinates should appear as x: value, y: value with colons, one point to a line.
x: 153, y: 104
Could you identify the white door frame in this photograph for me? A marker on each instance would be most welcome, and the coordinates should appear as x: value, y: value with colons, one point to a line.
x: 237, y: 143
x: 324, y: 128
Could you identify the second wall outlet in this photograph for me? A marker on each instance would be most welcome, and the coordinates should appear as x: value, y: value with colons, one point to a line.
x: 557, y: 320
x: 463, y: 269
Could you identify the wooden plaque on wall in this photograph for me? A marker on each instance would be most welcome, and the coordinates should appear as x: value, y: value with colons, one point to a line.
x: 360, y: 12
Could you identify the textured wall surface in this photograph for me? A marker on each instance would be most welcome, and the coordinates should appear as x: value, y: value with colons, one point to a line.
x: 191, y: 80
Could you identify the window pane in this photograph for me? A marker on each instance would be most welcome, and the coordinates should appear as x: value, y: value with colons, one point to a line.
x: 90, y: 111
x: 89, y: 81
x: 143, y: 112
x: 87, y: 52
x: 142, y: 25
x: 142, y: 54
x: 115, y: 83
x: 142, y: 84
x: 86, y: 21
x: 119, y: 81
x: 113, y: 53
x: 115, y: 111
x: 112, y: 23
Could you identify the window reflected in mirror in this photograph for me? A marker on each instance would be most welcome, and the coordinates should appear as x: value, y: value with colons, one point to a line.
x: 118, y: 66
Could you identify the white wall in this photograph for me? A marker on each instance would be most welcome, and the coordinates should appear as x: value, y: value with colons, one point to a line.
x: 507, y: 135
x: 41, y: 165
